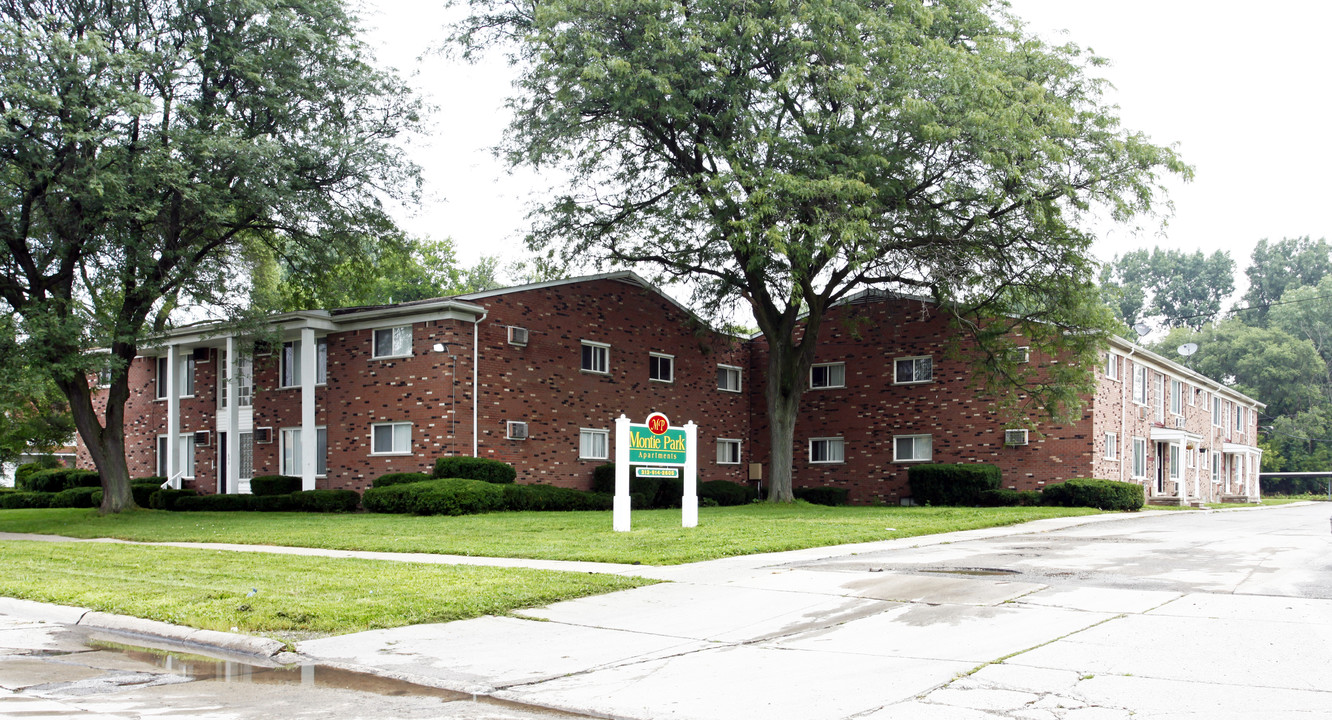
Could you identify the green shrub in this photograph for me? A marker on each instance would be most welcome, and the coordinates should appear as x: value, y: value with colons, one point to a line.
x: 445, y: 496
x: 326, y: 501
x: 952, y: 484
x: 75, y: 497
x: 603, y: 479
x: 214, y: 503
x: 62, y: 478
x: 551, y: 498
x: 272, y: 503
x: 669, y: 493
x: 484, y: 469
x: 1004, y: 497
x: 658, y: 492
x: 143, y: 492
x: 725, y: 492
x: 831, y: 496
x: 166, y: 499
x: 400, y: 478
x: 22, y: 472
x: 24, y: 500
x: 274, y: 485
x: 1103, y: 494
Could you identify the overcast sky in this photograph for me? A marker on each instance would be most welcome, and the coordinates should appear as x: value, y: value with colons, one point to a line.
x: 1241, y: 88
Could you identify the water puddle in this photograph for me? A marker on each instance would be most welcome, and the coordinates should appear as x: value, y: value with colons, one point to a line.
x: 973, y: 571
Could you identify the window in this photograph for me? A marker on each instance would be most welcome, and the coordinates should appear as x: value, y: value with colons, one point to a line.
x: 1216, y: 466
x: 290, y: 451
x: 393, y: 342
x: 1160, y: 397
x: 911, y: 448
x: 1139, y: 457
x: 728, y: 378
x: 291, y: 362
x: 1216, y: 411
x: 728, y: 452
x: 1111, y: 446
x: 246, y: 455
x: 162, y: 470
x: 1192, y: 459
x: 596, y: 357
x: 1140, y: 384
x: 184, y: 376
x: 1111, y: 366
x: 1176, y: 397
x: 1022, y: 354
x: 593, y: 444
x: 826, y: 450
x: 1239, y: 419
x: 245, y: 384
x: 828, y: 375
x: 104, y: 377
x: 1191, y: 394
x: 185, y: 448
x: 661, y: 368
x: 391, y: 438
x: 515, y: 430
x: 1174, y: 461
x: 913, y: 370
x: 1202, y: 459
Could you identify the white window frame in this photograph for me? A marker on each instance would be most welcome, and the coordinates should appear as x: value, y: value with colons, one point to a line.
x: 184, y: 376
x: 1176, y: 397
x: 289, y: 362
x: 1216, y: 411
x: 399, y: 342
x: 1191, y: 393
x: 162, y: 469
x: 595, y: 435
x: 828, y: 375
x: 1160, y: 396
x: 1022, y: 354
x: 598, y: 350
x: 663, y: 360
x: 509, y: 426
x: 915, y: 360
x: 1112, y: 446
x: 1191, y: 458
x: 1139, y: 469
x: 725, y: 371
x: 914, y: 448
x: 1139, y: 384
x: 1240, y: 419
x: 394, y: 438
x: 1176, y: 463
x: 828, y: 445
x: 734, y: 447
x: 1112, y: 366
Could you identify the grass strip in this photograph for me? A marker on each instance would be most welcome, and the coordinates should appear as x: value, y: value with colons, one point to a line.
x: 656, y: 538
x: 281, y: 596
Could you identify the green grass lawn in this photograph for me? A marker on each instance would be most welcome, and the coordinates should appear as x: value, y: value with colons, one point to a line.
x: 656, y: 538
x: 293, y: 597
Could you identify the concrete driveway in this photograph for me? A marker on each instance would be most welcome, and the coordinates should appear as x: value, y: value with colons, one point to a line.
x: 1169, y: 615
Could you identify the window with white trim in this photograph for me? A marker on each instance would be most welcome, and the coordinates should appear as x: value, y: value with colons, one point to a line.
x: 1111, y: 446
x: 1239, y: 419
x: 827, y: 375
x: 1139, y: 458
x: 1216, y: 465
x: 912, y: 448
x: 1111, y: 366
x: 392, y: 342
x: 910, y: 370
x: 1174, y: 461
x: 827, y: 450
x: 289, y: 449
x: 661, y: 367
x: 1176, y: 397
x: 391, y: 438
x: 593, y: 444
x: 184, y: 376
x: 1202, y: 461
x: 244, y: 384
x: 728, y: 451
x: 596, y: 357
x: 515, y: 430
x: 728, y: 378
x: 162, y: 470
x: 290, y: 360
x: 1192, y: 458
x: 1191, y: 393
x: 1139, y: 384
x: 246, y: 455
x: 1216, y: 412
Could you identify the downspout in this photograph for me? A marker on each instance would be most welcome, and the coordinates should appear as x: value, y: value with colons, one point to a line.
x: 476, y: 355
x: 1123, y: 410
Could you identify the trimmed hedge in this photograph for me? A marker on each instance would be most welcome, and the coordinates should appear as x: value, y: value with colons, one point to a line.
x: 24, y: 500
x: 77, y: 497
x: 484, y: 469
x: 143, y: 492
x: 445, y: 496
x: 58, y: 479
x: 22, y: 472
x: 326, y: 501
x: 400, y: 478
x: 830, y: 496
x: 272, y: 503
x: 215, y: 503
x: 603, y: 478
x: 725, y: 492
x: 1004, y: 497
x: 952, y: 484
x: 274, y: 485
x: 166, y: 499
x: 549, y: 497
x: 1103, y: 494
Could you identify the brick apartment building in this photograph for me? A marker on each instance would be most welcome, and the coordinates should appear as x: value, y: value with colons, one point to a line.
x: 535, y: 376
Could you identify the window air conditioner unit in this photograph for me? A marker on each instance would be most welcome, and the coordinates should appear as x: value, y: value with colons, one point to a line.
x: 1015, y: 437
x: 517, y: 335
x: 517, y: 430
x: 263, y: 436
x: 202, y: 437
x: 1179, y: 422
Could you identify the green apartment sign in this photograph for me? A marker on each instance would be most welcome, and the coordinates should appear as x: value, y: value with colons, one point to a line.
x: 649, y: 448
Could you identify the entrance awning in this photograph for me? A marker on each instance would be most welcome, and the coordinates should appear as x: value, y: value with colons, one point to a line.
x: 1238, y: 449
x: 1174, y: 435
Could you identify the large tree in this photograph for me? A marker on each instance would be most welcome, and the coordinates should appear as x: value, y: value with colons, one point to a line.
x: 788, y: 154
x: 1283, y: 265
x: 1179, y: 288
x: 148, y: 146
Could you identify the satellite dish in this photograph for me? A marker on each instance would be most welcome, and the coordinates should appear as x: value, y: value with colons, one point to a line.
x: 1188, y: 349
x: 1142, y: 328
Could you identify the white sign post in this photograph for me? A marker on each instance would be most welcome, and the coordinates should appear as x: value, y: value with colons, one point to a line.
x: 656, y: 444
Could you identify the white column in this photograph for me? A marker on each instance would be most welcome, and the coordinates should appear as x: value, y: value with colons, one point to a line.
x: 232, y: 450
x: 173, y: 416
x: 1183, y: 485
x: 620, y: 507
x: 309, y: 437
x: 689, y: 503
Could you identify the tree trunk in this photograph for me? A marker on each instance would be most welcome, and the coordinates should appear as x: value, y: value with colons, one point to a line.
x: 106, y: 445
x: 781, y: 433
